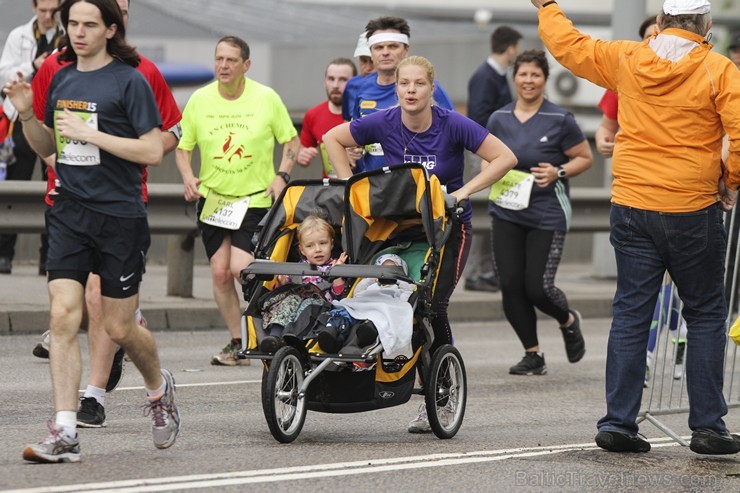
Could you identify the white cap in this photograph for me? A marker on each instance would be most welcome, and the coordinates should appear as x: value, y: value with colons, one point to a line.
x: 393, y: 258
x: 681, y: 7
x: 362, y: 49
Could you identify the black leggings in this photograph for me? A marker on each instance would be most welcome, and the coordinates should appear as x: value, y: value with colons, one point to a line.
x: 526, y: 260
x: 456, y: 254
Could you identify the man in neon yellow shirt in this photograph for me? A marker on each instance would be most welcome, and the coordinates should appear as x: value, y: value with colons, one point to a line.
x: 234, y: 121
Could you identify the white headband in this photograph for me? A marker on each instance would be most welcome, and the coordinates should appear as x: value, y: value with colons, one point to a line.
x: 383, y: 37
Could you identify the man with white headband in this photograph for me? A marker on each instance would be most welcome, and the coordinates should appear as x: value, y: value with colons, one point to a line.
x: 388, y: 38
x: 676, y: 100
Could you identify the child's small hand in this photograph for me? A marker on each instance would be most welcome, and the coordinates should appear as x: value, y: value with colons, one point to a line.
x: 281, y: 280
x: 341, y: 260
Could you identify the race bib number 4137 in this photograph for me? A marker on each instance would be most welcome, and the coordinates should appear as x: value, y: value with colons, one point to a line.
x: 76, y: 152
x: 224, y: 211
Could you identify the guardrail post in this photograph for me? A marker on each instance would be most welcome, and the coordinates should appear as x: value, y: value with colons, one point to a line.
x: 180, y: 254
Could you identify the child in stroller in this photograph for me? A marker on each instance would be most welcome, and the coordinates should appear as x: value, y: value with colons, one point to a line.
x: 315, y: 243
x: 345, y: 331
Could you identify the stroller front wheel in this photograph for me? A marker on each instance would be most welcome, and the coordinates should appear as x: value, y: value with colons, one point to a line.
x: 284, y: 408
x: 446, y: 392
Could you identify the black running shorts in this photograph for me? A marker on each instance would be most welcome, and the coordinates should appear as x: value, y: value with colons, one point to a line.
x: 213, y: 236
x: 83, y: 240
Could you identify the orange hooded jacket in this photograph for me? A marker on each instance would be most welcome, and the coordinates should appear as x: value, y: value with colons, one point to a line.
x: 672, y: 113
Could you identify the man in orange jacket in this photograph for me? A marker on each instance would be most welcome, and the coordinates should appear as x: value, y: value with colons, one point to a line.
x: 677, y: 99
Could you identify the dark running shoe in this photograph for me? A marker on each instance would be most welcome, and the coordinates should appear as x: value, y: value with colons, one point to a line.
x: 614, y: 441
x: 42, y: 348
x: 709, y: 442
x: 116, y: 371
x: 91, y: 414
x: 575, y: 346
x: 531, y: 364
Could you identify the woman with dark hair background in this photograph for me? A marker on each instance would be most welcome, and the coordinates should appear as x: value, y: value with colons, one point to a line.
x: 531, y: 210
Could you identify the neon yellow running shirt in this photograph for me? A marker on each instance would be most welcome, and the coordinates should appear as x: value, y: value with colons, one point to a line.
x: 236, y: 139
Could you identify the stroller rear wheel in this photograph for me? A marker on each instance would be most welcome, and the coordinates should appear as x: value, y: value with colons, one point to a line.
x: 446, y: 392
x: 284, y: 408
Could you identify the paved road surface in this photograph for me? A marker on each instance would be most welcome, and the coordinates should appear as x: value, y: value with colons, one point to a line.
x: 519, y: 434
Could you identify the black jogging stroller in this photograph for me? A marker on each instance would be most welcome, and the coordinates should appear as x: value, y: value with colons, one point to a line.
x: 396, y: 209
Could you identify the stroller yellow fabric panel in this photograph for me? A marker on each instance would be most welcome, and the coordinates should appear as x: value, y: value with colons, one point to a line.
x: 386, y: 204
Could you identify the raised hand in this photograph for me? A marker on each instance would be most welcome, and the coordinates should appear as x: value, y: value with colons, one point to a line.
x: 20, y: 93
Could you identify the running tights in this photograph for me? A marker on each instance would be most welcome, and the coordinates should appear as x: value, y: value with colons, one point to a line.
x: 526, y: 260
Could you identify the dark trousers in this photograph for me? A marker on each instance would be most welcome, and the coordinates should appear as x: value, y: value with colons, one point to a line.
x: 527, y: 261
x: 21, y: 170
x: 692, y: 247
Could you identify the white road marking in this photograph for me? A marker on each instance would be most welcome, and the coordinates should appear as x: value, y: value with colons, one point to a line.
x: 183, y: 385
x: 372, y: 466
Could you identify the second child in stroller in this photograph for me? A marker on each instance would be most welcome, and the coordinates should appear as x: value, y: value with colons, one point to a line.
x: 315, y: 243
x: 344, y: 331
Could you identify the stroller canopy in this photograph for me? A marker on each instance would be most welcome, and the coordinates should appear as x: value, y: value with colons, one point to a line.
x: 299, y: 200
x: 389, y: 203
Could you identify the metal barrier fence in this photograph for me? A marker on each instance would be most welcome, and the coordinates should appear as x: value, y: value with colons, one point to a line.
x: 22, y: 205
x: 665, y: 380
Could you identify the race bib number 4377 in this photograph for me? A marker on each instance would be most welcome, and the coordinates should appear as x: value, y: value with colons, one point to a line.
x: 76, y: 152
x: 513, y: 190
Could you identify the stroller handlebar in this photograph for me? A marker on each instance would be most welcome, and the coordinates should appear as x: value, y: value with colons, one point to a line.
x: 266, y: 269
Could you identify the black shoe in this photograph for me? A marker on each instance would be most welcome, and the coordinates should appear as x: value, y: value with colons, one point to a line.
x: 531, y: 364
x: 41, y: 350
x: 708, y: 442
x: 328, y: 340
x: 575, y: 346
x: 116, y: 371
x: 366, y: 333
x: 271, y: 344
x: 6, y: 265
x: 614, y: 441
x: 91, y: 414
x: 483, y: 282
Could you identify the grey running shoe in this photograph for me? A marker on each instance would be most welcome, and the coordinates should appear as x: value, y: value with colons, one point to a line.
x: 42, y: 348
x: 57, y: 447
x: 420, y: 424
x: 531, y: 364
x: 116, y: 371
x: 90, y: 414
x: 228, y: 356
x: 166, y: 417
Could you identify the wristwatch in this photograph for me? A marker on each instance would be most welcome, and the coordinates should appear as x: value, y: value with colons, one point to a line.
x: 561, y: 172
x: 285, y: 176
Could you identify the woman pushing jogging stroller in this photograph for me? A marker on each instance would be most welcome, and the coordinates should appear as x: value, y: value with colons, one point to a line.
x: 417, y: 131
